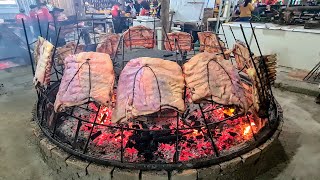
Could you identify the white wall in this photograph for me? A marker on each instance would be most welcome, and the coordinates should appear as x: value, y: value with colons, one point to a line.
x: 189, y: 10
x: 294, y: 49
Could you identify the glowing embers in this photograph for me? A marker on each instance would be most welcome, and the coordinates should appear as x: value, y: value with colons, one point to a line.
x: 205, y: 131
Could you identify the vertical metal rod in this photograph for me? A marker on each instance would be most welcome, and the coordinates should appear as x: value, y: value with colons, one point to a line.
x: 154, y: 31
x: 262, y: 58
x: 77, y: 134
x: 90, y: 134
x: 224, y: 34
x: 122, y: 149
x: 175, y: 50
x: 219, y: 14
x: 167, y: 37
x: 221, y: 49
x: 234, y: 37
x: 176, y: 158
x: 78, y: 41
x: 250, y: 52
x: 47, y: 34
x: 77, y: 24
x: 28, y: 46
x: 122, y: 48
x: 40, y: 31
x: 94, y: 34
x: 130, y: 39
x: 209, y: 132
x: 255, y: 37
x: 55, y: 24
x: 44, y: 112
x: 55, y: 119
x: 54, y: 53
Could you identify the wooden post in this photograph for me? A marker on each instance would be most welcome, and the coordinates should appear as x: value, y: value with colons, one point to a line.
x: 165, y: 5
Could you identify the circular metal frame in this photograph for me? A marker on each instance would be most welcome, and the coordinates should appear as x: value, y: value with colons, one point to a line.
x: 45, y: 114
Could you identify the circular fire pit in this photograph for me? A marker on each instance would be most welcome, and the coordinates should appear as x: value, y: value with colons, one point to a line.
x: 70, y: 164
x: 199, y: 118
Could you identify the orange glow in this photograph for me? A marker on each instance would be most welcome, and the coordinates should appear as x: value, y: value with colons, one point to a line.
x: 246, y: 130
x: 229, y: 111
x: 196, y: 133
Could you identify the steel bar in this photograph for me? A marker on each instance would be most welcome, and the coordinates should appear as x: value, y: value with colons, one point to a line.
x: 40, y: 31
x: 47, y: 33
x: 122, y: 148
x: 28, y: 46
x: 224, y: 35
x: 234, y: 37
x: 262, y: 58
x: 54, y: 53
x: 91, y: 130
x: 209, y: 132
x: 252, y: 60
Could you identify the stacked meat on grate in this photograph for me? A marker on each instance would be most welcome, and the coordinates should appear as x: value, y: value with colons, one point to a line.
x: 146, y: 86
x: 66, y: 50
x: 178, y: 41
x: 208, y: 78
x: 260, y: 70
x: 87, y: 76
x: 140, y: 36
x: 43, y: 58
x: 109, y: 44
x: 210, y: 42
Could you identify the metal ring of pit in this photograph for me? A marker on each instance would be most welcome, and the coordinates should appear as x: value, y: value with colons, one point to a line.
x: 196, y: 163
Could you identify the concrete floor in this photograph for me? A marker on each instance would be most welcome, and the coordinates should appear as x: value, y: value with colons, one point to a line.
x: 298, y: 156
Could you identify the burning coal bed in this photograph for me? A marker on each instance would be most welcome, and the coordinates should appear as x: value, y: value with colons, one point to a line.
x: 155, y: 138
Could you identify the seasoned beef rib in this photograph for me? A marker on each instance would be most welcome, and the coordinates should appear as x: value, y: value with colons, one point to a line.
x: 36, y: 52
x: 66, y: 50
x: 178, y: 41
x: 147, y: 85
x: 242, y: 56
x: 43, y: 52
x: 210, y: 42
x: 208, y: 78
x: 139, y: 36
x: 109, y: 44
x: 87, y: 76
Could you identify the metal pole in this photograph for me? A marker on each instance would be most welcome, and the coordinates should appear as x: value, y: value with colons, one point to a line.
x: 54, y: 52
x: 94, y: 35
x: 221, y: 49
x: 234, y: 37
x: 224, y: 34
x: 47, y: 34
x: 255, y: 37
x: 262, y: 58
x: 27, y: 41
x: 39, y: 26
x: 219, y: 14
x: 254, y: 64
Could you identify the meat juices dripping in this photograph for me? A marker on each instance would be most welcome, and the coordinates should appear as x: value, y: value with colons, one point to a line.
x: 147, y: 85
x: 211, y: 79
x: 178, y: 41
x: 87, y: 76
x: 109, y: 44
x: 43, y: 53
x: 140, y: 36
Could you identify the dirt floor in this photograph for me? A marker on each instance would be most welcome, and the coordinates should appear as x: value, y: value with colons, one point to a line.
x: 299, y: 146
